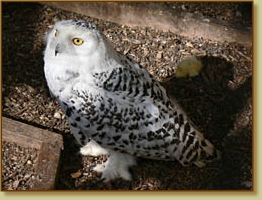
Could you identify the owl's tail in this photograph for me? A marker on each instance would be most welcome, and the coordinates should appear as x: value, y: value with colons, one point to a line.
x: 206, y: 153
x: 193, y: 147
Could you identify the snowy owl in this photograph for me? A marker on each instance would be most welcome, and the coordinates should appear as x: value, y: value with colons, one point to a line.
x: 114, y: 106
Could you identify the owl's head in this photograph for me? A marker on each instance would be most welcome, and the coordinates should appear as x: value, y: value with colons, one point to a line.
x: 72, y: 38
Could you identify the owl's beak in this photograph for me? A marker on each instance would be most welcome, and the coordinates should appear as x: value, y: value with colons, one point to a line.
x: 56, y: 49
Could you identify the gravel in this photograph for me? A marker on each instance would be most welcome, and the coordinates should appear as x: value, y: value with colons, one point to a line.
x: 218, y: 101
x: 18, y: 166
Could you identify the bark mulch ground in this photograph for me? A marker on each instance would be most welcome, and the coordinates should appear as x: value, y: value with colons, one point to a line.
x: 218, y: 101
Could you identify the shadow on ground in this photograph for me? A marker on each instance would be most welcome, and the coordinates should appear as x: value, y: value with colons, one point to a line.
x: 214, y: 103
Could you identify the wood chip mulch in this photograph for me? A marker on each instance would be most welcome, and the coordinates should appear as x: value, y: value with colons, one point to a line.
x: 218, y: 101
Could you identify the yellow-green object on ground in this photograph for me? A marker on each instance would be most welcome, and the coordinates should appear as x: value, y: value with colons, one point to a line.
x: 189, y: 67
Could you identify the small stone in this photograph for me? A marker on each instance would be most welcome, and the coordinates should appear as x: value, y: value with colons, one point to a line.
x: 146, y: 52
x: 57, y: 115
x: 189, y: 44
x: 42, y: 117
x: 159, y: 55
x: 14, y: 158
x: 76, y: 174
x: 27, y: 176
x: 15, y: 184
x: 31, y: 89
x: 206, y: 20
x: 29, y: 162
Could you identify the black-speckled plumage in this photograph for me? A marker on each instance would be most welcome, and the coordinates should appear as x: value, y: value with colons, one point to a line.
x: 112, y: 100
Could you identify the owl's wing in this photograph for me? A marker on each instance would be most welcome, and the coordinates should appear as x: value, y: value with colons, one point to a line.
x: 152, y: 117
x: 132, y: 84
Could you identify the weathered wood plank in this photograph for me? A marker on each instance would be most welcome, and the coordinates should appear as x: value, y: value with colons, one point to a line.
x: 48, y: 143
x: 146, y: 14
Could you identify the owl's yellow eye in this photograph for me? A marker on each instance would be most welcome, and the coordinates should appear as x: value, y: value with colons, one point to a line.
x: 77, y: 41
x: 56, y: 32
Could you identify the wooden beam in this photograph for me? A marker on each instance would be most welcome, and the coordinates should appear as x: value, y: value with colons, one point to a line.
x: 48, y: 143
x: 146, y: 14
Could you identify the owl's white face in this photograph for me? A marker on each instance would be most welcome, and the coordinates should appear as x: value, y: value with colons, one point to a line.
x: 72, y: 39
x: 74, y: 51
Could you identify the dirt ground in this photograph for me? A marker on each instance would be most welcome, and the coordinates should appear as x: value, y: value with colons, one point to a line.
x: 218, y: 101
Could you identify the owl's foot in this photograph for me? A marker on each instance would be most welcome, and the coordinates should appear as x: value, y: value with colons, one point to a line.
x: 116, y: 166
x: 93, y: 149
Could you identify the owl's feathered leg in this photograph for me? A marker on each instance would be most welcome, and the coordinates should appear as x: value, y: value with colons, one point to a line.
x: 93, y: 149
x: 116, y: 166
